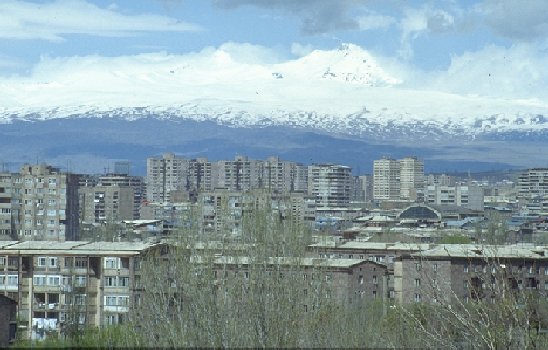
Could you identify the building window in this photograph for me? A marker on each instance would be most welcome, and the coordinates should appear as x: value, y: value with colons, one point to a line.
x: 13, y: 261
x: 123, y: 301
x: 374, y: 279
x: 13, y: 280
x: 80, y: 299
x: 435, y: 267
x: 110, y: 301
x: 112, y: 263
x: 80, y: 281
x: 2, y: 260
x: 465, y: 267
x: 80, y: 263
x: 110, y: 320
x: 123, y: 281
x: 54, y: 280
x: 110, y: 281
x: 417, y: 282
x: 418, y: 266
x: 52, y: 262
x: 360, y: 279
x: 39, y: 280
x: 417, y: 298
x: 42, y: 261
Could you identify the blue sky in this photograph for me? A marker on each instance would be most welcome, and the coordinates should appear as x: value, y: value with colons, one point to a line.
x: 450, y: 43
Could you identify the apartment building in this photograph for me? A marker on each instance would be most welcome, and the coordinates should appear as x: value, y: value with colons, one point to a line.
x: 284, y: 176
x: 362, y: 188
x: 533, y: 191
x: 8, y: 219
x: 110, y: 197
x: 240, y: 174
x: 467, y: 196
x: 62, y: 285
x: 39, y: 202
x: 135, y: 183
x: 401, y: 179
x: 411, y: 179
x: 330, y: 184
x: 533, y: 183
x: 471, y: 272
x: 106, y: 204
x: 386, y: 179
x: 347, y: 281
x: 165, y: 174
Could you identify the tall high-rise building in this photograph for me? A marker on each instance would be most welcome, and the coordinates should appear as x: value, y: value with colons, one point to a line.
x: 386, y: 179
x: 111, y: 197
x: 533, y: 183
x: 42, y: 203
x: 284, y: 176
x: 240, y: 174
x: 362, y: 188
x: 7, y: 217
x: 411, y: 179
x: 199, y: 177
x: 165, y: 174
x: 136, y: 183
x: 330, y: 184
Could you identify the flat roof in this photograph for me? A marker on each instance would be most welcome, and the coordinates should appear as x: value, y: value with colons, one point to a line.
x: 76, y: 248
x: 485, y: 251
x: 372, y: 246
x: 296, y: 261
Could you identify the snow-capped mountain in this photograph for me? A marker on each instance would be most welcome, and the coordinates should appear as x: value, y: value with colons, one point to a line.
x: 338, y: 91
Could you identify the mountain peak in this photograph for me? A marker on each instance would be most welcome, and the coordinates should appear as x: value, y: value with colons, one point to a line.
x: 349, y: 63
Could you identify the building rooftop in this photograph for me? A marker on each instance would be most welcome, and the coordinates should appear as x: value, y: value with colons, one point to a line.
x: 485, y: 251
x: 292, y: 261
x: 372, y: 246
x: 76, y: 247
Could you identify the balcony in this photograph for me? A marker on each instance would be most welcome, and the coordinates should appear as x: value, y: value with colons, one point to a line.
x: 114, y: 308
x: 46, y: 307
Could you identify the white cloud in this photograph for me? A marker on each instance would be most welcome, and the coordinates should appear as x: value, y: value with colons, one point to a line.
x: 417, y: 22
x: 248, y: 53
x: 412, y: 26
x: 520, y: 71
x: 52, y: 20
x: 301, y: 50
x: 236, y: 75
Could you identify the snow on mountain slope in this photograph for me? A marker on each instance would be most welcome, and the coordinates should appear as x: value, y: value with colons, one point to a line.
x: 342, y: 90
